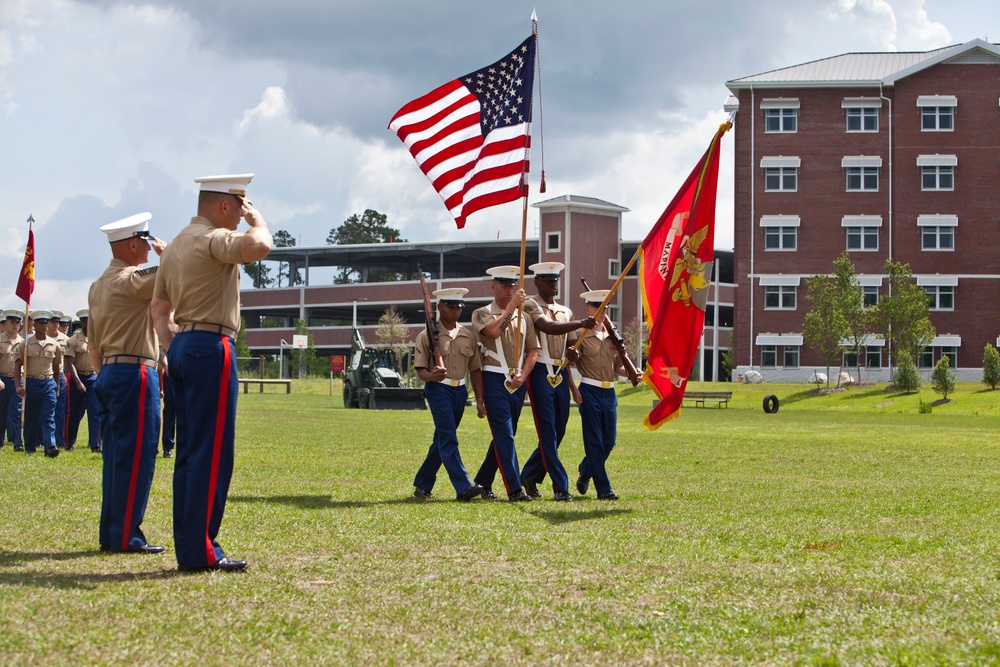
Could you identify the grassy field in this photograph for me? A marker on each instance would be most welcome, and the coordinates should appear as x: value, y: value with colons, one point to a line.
x: 845, y: 529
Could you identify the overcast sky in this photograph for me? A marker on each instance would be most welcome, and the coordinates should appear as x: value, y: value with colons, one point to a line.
x: 110, y: 108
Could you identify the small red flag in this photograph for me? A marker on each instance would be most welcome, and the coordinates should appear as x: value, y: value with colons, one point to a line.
x: 675, y: 268
x: 26, y: 279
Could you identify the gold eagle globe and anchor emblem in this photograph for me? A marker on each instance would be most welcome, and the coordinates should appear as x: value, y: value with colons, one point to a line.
x: 691, y: 277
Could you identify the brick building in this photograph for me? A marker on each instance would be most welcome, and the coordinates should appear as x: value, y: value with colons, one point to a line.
x: 884, y: 155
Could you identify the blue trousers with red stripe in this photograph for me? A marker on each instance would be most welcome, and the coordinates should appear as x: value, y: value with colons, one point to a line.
x: 39, y: 414
x: 503, y: 410
x: 128, y: 397
x: 599, y: 417
x: 62, y: 411
x: 550, y: 408
x: 202, y: 368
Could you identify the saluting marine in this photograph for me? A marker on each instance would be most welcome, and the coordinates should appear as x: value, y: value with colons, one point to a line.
x: 123, y: 349
x: 81, y: 376
x: 446, y: 394
x: 505, y: 371
x: 38, y: 388
x: 10, y: 400
x: 549, y: 383
x: 196, y: 308
x: 599, y: 364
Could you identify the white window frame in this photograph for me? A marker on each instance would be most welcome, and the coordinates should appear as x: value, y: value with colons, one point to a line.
x: 614, y: 268
x: 864, y: 235
x: 782, y: 173
x: 769, y: 350
x: 787, y: 238
x: 952, y: 352
x: 866, y: 118
x: 937, y: 234
x: 791, y: 353
x: 784, y: 293
x: 935, y: 294
x: 939, y: 173
x: 558, y: 237
x: 864, y: 177
x: 869, y: 291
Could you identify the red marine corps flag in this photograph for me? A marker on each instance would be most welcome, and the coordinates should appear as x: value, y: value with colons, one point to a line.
x: 676, y: 270
x: 26, y: 279
x: 471, y: 136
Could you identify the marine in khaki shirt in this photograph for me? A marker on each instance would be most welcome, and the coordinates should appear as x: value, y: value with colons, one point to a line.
x: 120, y: 320
x: 45, y: 358
x: 78, y: 350
x: 7, y: 344
x: 201, y: 276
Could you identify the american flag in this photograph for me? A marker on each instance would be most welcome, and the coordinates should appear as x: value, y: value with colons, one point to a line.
x: 471, y: 136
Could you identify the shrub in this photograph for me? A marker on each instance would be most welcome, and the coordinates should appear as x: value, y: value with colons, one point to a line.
x: 907, y: 378
x: 991, y: 366
x: 924, y: 408
x: 942, y: 377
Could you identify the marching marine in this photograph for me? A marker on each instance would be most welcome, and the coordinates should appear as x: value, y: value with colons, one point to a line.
x: 81, y: 378
x: 10, y: 400
x: 446, y: 393
x: 57, y: 330
x: 509, y: 350
x: 38, y: 389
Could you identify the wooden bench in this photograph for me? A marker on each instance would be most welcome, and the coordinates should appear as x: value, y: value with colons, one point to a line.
x: 701, y: 397
x: 246, y: 382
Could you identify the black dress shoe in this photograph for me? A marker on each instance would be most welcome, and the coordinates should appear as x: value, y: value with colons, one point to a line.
x: 470, y: 493
x: 420, y: 493
x: 519, y: 497
x: 105, y: 548
x: 610, y: 495
x: 146, y: 549
x: 563, y: 496
x: 19, y: 449
x: 582, y: 484
x: 225, y: 564
x: 531, y: 488
x: 95, y: 450
x: 488, y: 494
x: 168, y: 454
x: 52, y: 452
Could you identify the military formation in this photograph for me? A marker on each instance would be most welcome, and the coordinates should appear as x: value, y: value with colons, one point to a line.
x: 141, y: 327
x: 517, y: 347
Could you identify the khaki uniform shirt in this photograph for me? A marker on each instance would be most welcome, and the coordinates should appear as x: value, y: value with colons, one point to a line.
x: 42, y: 356
x: 7, y: 355
x: 62, y: 339
x: 552, y: 347
x: 77, y: 347
x: 200, y: 275
x: 482, y: 317
x: 458, y: 349
x: 599, y: 359
x: 120, y: 320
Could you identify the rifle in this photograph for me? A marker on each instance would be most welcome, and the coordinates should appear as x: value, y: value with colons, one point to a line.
x: 619, y: 342
x: 431, y: 323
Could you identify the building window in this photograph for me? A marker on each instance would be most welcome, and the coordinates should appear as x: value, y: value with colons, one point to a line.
x: 779, y: 297
x: 862, y: 120
x: 937, y: 119
x: 614, y: 269
x: 873, y: 357
x: 791, y: 356
x: 941, y: 297
x: 553, y: 242
x: 952, y: 354
x: 781, y: 179
x: 862, y: 238
x: 780, y: 238
x: 926, y: 359
x: 725, y: 316
x: 781, y: 120
x: 768, y: 356
x: 862, y: 179
x: 937, y: 238
x: 937, y: 177
x: 871, y: 295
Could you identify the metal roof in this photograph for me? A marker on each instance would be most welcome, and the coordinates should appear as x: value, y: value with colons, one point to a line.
x: 582, y: 202
x: 863, y: 69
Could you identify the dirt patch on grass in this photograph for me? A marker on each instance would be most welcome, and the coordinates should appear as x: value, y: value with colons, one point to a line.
x: 820, y: 391
x: 885, y: 404
x: 819, y: 546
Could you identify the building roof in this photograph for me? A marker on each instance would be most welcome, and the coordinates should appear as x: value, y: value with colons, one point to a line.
x: 580, y: 202
x: 867, y: 69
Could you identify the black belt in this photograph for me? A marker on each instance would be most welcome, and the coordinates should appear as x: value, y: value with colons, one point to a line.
x: 85, y: 375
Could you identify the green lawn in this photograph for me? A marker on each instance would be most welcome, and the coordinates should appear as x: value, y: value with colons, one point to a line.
x: 845, y: 529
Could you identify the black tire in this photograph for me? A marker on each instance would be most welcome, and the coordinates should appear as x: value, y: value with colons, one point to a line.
x: 348, y: 394
x: 770, y: 404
